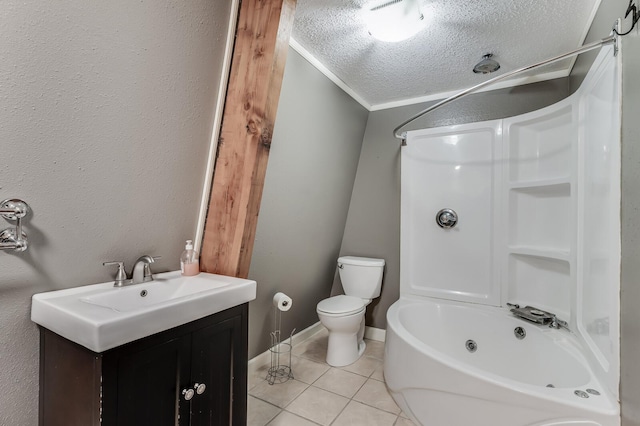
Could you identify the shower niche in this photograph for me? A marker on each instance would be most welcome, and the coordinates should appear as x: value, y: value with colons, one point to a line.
x: 537, y: 198
x: 540, y: 146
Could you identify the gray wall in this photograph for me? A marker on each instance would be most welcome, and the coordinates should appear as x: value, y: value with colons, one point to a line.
x: 312, y: 165
x: 609, y: 11
x: 105, y: 120
x: 630, y: 267
x: 373, y: 223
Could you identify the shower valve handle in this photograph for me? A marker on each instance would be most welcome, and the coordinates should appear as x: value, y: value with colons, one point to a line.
x: 446, y: 218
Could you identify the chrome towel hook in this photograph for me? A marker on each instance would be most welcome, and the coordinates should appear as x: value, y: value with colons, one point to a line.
x: 14, y: 238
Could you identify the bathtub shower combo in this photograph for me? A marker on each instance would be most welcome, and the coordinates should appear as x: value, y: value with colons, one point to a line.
x: 519, y: 214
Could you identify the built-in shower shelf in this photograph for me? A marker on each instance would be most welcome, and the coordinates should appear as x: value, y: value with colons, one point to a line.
x: 540, y: 216
x: 540, y: 183
x: 548, y: 253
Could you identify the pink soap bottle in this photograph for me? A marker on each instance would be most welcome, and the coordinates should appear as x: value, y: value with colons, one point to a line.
x: 189, y: 261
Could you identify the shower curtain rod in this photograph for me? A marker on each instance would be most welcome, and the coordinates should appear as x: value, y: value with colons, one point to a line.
x: 585, y: 48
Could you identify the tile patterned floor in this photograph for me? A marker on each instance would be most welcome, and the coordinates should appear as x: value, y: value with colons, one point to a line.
x: 323, y: 395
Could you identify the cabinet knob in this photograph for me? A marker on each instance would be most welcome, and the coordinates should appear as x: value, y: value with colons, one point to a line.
x: 200, y: 388
x: 188, y: 394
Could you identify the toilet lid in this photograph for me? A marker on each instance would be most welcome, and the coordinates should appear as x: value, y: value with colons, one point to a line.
x: 341, y: 305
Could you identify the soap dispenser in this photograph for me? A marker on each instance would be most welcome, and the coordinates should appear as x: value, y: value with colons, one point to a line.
x: 189, y: 261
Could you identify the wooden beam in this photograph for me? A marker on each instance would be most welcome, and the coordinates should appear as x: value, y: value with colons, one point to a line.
x: 257, y: 68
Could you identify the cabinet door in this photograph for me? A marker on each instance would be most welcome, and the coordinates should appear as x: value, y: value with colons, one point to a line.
x: 219, y: 362
x: 142, y: 384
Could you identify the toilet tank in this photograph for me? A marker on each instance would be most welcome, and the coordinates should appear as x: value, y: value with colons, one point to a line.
x: 361, y: 276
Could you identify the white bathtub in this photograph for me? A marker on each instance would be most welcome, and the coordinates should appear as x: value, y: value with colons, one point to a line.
x: 438, y: 382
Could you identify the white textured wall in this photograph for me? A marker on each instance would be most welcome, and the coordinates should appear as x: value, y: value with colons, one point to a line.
x: 105, y: 119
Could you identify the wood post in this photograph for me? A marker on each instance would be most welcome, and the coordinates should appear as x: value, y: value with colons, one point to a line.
x: 257, y: 68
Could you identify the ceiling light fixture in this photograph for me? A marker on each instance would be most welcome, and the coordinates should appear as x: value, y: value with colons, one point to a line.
x: 486, y: 65
x: 394, y: 20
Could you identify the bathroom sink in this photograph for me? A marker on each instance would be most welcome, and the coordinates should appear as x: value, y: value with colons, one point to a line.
x: 161, y: 290
x: 101, y: 316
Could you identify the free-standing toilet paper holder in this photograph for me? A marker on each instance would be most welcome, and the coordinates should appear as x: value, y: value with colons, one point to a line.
x: 280, y: 369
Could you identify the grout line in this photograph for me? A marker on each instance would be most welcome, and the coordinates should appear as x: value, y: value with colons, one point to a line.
x: 322, y: 375
x: 267, y: 402
x: 303, y: 417
x: 341, y: 411
x: 330, y: 391
x: 305, y: 389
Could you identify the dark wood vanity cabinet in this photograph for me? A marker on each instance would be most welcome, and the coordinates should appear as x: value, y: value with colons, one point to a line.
x: 148, y: 382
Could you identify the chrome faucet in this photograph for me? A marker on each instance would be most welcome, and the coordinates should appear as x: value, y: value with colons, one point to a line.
x: 538, y: 316
x: 141, y: 272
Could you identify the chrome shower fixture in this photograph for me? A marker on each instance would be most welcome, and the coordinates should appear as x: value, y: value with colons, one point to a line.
x: 486, y: 65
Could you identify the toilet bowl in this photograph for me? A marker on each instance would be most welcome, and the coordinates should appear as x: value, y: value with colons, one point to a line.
x: 343, y: 315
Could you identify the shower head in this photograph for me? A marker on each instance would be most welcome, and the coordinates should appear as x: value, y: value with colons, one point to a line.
x: 486, y: 65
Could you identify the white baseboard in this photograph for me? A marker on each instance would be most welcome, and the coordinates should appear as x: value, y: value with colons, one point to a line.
x: 264, y: 358
x: 373, y: 333
x: 305, y: 334
x: 299, y: 337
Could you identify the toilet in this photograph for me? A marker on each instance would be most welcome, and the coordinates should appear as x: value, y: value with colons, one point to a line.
x: 343, y: 315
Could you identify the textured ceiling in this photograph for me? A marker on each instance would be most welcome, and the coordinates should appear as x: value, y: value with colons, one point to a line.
x: 440, y: 58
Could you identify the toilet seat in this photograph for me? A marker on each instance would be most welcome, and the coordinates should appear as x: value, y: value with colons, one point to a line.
x: 341, y: 305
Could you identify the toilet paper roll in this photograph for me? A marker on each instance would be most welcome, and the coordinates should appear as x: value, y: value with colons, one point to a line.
x: 282, y: 301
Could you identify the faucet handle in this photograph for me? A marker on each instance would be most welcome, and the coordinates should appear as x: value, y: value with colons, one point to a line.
x: 558, y: 323
x: 121, y: 275
x: 147, y: 268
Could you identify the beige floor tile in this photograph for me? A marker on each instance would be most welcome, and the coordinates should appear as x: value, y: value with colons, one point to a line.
x: 326, y: 400
x: 318, y: 405
x: 259, y: 413
x: 404, y: 422
x: 364, y: 366
x: 374, y: 349
x: 341, y: 382
x: 378, y: 374
x: 289, y: 419
x: 279, y: 394
x: 375, y: 394
x: 257, y: 375
x: 307, y: 371
x: 314, y: 348
x: 357, y: 414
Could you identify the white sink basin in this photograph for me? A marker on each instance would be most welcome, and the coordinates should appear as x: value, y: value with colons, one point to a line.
x: 102, y: 316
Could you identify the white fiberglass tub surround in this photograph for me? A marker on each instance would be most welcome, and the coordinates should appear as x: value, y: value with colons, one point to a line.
x: 537, y: 198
